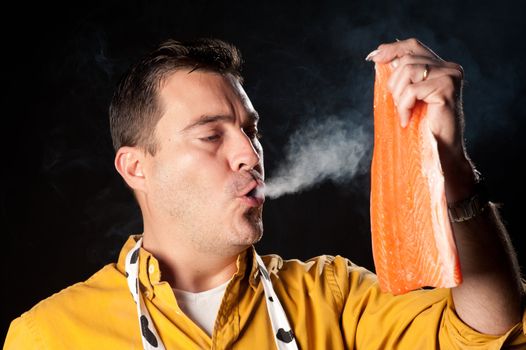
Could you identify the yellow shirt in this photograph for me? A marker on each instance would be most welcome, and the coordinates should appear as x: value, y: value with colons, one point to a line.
x: 330, y: 303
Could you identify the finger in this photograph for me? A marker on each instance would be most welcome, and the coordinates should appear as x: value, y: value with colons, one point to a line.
x: 387, y: 52
x: 398, y: 63
x: 399, y: 66
x: 433, y: 91
x: 410, y: 74
x: 415, y: 73
x: 409, y: 97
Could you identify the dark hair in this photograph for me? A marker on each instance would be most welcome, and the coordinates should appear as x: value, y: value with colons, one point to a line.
x: 135, y: 111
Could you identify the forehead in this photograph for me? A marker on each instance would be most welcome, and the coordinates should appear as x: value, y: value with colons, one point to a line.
x: 187, y: 96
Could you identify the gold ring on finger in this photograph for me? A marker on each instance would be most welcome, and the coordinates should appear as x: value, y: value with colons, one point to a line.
x: 426, y: 72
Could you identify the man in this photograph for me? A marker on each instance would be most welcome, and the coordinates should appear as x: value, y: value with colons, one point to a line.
x: 186, y: 137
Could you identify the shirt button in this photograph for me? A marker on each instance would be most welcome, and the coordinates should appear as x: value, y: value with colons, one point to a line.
x: 151, y: 268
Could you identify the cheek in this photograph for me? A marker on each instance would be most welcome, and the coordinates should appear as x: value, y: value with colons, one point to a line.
x: 190, y: 175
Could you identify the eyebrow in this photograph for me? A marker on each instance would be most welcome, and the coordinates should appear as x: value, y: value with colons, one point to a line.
x: 253, y: 117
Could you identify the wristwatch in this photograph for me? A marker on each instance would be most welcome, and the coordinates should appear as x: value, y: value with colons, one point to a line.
x: 471, y: 207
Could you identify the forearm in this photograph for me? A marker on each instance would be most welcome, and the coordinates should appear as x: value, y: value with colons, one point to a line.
x: 489, y: 298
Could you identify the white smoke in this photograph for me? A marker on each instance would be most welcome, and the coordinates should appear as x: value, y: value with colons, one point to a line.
x: 331, y: 149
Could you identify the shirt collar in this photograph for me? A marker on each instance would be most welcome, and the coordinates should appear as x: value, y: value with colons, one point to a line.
x: 150, y: 275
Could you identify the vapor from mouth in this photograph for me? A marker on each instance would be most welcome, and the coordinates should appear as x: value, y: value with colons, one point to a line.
x: 332, y: 149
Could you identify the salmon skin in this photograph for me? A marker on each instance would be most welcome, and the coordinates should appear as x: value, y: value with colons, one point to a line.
x: 413, y: 244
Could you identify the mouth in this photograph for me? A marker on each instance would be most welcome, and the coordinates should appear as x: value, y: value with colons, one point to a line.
x: 254, y: 195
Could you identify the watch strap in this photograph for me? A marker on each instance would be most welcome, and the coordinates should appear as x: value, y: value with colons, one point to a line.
x: 471, y: 207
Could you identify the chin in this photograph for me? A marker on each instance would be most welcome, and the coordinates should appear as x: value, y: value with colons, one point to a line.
x: 244, y: 231
x: 250, y: 235
x: 250, y: 229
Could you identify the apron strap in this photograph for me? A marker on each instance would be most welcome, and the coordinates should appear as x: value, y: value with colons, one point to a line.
x: 283, y: 335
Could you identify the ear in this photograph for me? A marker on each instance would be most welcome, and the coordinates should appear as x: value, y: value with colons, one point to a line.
x: 130, y: 162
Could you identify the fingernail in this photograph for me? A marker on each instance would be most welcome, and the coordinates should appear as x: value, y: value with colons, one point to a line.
x: 394, y: 63
x: 371, y: 55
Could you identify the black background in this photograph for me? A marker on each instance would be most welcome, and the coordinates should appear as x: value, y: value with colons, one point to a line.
x: 65, y: 212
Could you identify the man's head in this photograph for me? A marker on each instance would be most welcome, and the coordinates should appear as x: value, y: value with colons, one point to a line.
x: 135, y: 108
x: 186, y: 138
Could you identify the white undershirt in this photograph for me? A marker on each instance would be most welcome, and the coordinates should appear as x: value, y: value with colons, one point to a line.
x: 201, y: 307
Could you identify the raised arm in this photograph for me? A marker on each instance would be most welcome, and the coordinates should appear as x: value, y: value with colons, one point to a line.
x: 489, y: 299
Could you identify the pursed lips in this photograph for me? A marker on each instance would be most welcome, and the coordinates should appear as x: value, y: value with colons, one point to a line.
x: 253, y: 194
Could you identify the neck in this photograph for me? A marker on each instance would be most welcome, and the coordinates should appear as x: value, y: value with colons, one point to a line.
x: 185, y: 268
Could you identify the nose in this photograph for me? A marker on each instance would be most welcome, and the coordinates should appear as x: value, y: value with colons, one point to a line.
x: 246, y: 154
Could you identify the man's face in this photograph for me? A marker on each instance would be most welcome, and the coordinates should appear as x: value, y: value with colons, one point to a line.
x: 208, y: 159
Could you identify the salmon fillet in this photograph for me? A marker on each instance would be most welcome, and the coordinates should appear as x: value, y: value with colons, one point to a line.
x: 413, y: 244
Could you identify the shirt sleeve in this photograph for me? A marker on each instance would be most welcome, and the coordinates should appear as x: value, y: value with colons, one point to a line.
x: 21, y: 335
x: 421, y: 319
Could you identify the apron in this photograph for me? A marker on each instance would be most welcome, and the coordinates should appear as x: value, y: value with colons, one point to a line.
x: 283, y: 335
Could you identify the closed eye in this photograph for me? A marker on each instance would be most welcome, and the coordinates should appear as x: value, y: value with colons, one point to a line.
x: 211, y: 138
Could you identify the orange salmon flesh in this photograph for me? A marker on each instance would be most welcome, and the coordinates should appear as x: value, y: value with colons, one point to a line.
x: 412, y: 238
